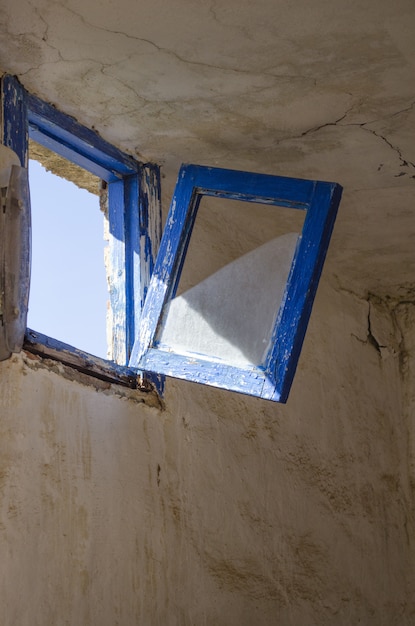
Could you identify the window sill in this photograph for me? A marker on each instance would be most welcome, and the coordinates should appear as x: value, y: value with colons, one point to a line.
x: 87, y: 365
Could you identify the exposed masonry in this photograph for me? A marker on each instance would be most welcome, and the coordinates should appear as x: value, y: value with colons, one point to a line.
x: 63, y: 168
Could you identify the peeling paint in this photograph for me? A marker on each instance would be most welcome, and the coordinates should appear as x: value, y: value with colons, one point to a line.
x: 303, y: 513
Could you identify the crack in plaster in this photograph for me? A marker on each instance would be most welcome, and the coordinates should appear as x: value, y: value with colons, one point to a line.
x: 317, y: 128
x: 242, y: 29
x: 16, y: 36
x: 390, y: 115
x: 174, y: 54
x: 104, y: 68
x: 371, y: 339
x: 403, y: 162
x: 44, y: 38
x: 383, y: 350
x: 409, y: 108
x: 212, y: 11
x: 44, y: 22
x: 383, y: 330
x: 61, y: 59
x: 364, y: 125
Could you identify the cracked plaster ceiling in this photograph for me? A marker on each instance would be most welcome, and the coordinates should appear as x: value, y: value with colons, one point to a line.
x: 316, y: 90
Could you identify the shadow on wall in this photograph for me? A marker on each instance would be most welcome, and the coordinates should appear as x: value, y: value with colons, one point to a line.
x: 230, y: 314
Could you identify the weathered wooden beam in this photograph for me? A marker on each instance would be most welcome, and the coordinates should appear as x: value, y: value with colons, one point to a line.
x: 48, y: 348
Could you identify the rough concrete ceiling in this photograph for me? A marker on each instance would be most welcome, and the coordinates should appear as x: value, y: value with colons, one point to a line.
x: 317, y: 90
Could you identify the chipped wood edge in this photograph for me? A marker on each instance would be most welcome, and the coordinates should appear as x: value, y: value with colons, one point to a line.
x: 51, y: 350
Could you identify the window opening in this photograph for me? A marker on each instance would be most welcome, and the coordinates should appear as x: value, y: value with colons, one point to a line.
x: 139, y: 307
x: 68, y: 294
x: 132, y: 207
x: 232, y: 281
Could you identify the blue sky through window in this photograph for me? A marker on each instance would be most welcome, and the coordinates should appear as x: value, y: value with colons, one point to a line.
x: 68, y: 292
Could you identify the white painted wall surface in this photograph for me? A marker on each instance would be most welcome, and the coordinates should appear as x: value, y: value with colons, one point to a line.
x: 224, y: 510
x: 220, y: 509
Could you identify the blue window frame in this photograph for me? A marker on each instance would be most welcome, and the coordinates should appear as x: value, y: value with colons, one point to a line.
x: 271, y: 378
x: 134, y: 208
x: 143, y: 285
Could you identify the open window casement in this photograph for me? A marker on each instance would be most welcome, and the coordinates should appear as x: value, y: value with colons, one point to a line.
x: 14, y: 252
x: 133, y: 218
x: 242, y: 328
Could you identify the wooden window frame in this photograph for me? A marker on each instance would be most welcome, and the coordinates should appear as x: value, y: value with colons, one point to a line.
x: 271, y: 379
x: 134, y: 216
x: 144, y: 279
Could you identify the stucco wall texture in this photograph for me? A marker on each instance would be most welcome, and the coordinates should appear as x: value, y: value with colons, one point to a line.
x: 219, y: 509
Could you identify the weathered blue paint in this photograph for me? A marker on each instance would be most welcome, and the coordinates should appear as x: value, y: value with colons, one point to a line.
x: 149, y: 236
x: 247, y: 186
x: 65, y: 136
x: 135, y: 230
x: 14, y: 116
x: 116, y: 272
x: 149, y: 224
x: 247, y: 380
x: 134, y: 208
x: 271, y: 379
x: 294, y: 314
x: 15, y: 236
x: 132, y: 258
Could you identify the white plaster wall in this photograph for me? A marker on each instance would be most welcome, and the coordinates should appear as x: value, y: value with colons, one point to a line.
x: 318, y: 90
x: 225, y: 510
x: 220, y: 509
